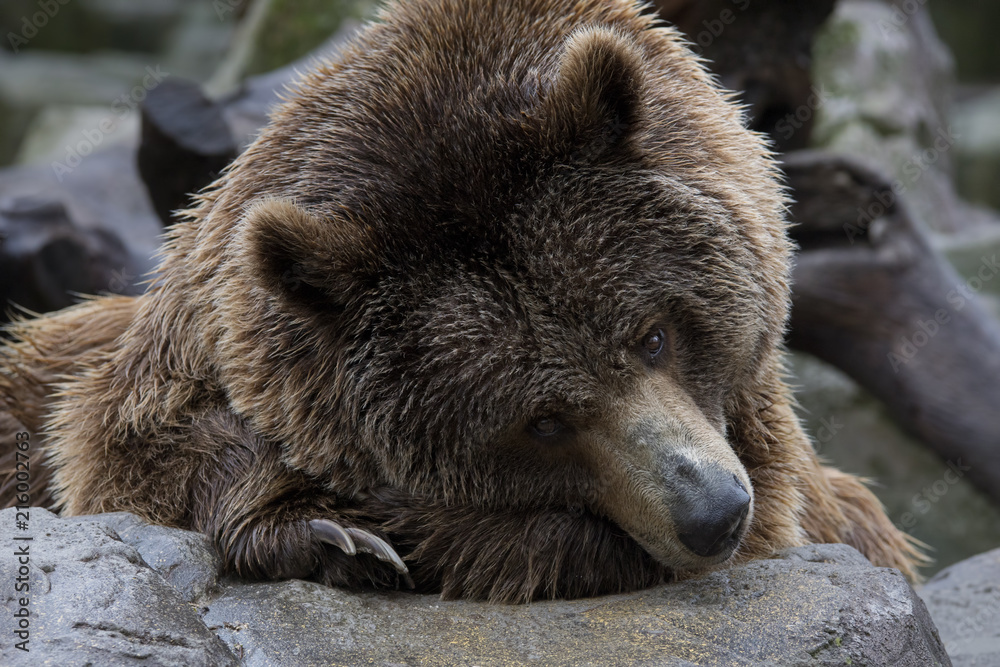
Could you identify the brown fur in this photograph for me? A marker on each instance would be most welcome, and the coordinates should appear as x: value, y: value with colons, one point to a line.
x: 465, y: 224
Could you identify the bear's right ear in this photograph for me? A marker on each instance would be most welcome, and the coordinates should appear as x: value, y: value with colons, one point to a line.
x: 305, y: 260
x: 596, y: 98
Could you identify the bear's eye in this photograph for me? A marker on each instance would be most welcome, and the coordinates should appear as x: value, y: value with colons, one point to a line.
x: 546, y: 427
x: 653, y: 342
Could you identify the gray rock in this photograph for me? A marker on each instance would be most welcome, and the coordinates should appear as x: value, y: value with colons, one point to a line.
x: 964, y: 602
x: 185, y: 559
x: 47, y: 259
x: 103, y: 191
x: 93, y: 601
x: 884, y: 81
x: 978, y: 154
x: 923, y: 495
x: 817, y: 605
x: 186, y: 143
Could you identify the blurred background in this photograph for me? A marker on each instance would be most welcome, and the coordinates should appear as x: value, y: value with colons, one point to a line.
x: 887, y: 114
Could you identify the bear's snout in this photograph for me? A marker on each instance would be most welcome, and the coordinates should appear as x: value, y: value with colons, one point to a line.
x: 710, y: 513
x: 672, y: 480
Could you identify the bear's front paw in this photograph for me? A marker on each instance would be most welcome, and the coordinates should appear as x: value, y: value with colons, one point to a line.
x: 353, y: 540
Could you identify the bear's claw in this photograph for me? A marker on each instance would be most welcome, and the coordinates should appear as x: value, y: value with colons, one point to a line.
x: 353, y: 540
x: 333, y: 533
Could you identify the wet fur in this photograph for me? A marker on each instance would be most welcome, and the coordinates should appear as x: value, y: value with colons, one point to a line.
x: 255, y: 386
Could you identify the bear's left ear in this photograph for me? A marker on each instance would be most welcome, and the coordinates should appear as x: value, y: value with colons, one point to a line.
x: 596, y: 98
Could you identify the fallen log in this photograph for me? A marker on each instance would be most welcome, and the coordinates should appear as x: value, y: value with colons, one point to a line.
x: 873, y: 297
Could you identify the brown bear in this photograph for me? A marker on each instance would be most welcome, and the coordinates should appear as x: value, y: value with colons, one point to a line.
x: 492, y: 307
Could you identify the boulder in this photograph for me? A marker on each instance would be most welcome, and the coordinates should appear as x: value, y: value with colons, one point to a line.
x: 816, y: 605
x: 101, y: 192
x: 964, y: 601
x: 111, y: 589
x: 933, y: 500
x: 47, y: 259
x: 185, y: 145
x: 883, y: 83
x: 93, y: 601
x: 186, y: 560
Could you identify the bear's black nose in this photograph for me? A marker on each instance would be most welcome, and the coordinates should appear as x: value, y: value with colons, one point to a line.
x: 709, y: 520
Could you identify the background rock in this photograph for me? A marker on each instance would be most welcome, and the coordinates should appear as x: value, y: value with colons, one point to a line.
x: 885, y: 80
x: 102, y: 192
x: 921, y: 493
x: 965, y: 603
x: 46, y: 258
x: 93, y: 601
x: 978, y: 150
x: 185, y: 144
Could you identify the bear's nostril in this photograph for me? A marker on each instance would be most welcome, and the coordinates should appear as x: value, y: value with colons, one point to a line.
x: 709, y: 523
x: 739, y: 483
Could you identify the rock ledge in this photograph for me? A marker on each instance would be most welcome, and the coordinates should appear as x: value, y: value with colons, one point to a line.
x: 111, y: 590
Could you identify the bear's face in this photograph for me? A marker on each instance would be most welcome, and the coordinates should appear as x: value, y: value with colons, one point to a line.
x: 569, y: 353
x: 575, y: 341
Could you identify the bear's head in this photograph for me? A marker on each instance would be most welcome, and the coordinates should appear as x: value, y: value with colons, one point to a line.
x: 545, y: 275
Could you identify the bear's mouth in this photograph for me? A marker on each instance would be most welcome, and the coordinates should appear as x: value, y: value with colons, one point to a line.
x: 688, y: 505
x: 698, y: 525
